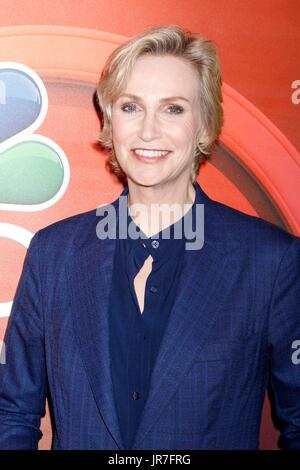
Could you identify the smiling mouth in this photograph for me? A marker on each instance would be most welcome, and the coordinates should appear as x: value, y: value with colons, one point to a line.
x: 151, y: 154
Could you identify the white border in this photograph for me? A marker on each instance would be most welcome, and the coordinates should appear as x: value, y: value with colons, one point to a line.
x: 26, y: 135
x: 44, y: 104
x: 66, y: 178
x: 20, y: 235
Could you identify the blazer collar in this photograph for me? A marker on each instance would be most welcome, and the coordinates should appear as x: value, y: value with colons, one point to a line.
x: 213, y: 221
x: 193, y: 315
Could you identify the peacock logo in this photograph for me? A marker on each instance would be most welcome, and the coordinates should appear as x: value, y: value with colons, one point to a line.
x: 34, y: 170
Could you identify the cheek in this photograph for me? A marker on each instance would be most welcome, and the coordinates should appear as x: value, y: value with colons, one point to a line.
x: 119, y: 128
x: 185, y: 134
x: 122, y: 132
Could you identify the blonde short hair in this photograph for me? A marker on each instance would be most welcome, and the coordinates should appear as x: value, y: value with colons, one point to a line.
x: 198, y: 51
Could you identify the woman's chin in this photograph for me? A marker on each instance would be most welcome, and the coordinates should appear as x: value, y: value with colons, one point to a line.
x: 146, y: 179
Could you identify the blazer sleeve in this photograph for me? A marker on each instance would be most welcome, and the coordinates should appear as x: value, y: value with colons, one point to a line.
x: 23, y: 371
x: 284, y: 339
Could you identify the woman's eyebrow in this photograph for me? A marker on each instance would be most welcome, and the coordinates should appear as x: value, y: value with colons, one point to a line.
x: 162, y: 100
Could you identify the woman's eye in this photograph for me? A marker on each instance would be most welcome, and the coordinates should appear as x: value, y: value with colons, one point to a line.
x: 128, y: 107
x: 132, y: 107
x: 175, y: 109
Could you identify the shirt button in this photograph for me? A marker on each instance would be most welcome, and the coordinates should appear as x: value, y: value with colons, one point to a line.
x: 155, y: 244
x: 153, y: 289
x: 135, y: 395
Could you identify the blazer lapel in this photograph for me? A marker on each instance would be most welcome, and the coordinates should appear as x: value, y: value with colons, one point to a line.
x: 195, y: 310
x: 90, y: 276
x: 206, y: 281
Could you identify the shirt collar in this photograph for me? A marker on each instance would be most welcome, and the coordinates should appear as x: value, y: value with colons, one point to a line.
x: 164, y: 243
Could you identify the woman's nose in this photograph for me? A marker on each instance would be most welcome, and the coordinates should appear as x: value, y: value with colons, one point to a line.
x: 149, y: 127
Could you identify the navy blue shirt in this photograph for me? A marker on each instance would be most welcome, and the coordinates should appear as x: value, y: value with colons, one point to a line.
x: 135, y: 337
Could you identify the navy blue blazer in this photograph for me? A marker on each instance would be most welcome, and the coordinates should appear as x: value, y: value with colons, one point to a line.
x: 234, y: 324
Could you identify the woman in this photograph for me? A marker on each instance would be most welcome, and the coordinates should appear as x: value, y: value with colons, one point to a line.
x: 140, y: 339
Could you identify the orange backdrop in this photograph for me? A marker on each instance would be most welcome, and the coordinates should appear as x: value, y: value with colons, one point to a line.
x: 255, y: 169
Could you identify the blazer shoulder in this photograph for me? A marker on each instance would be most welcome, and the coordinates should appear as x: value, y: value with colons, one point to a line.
x: 65, y: 235
x: 244, y: 228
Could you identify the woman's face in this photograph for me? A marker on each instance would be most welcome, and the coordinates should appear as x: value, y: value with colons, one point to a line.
x: 156, y: 121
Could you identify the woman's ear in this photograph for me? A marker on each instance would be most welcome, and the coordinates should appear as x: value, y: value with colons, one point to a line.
x: 202, y: 135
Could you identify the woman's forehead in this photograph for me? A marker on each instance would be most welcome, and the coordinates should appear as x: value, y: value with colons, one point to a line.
x: 162, y: 77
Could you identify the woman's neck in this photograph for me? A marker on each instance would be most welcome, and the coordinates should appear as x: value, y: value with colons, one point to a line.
x: 154, y: 208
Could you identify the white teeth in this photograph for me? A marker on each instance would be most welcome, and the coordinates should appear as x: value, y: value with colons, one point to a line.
x: 151, y: 153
